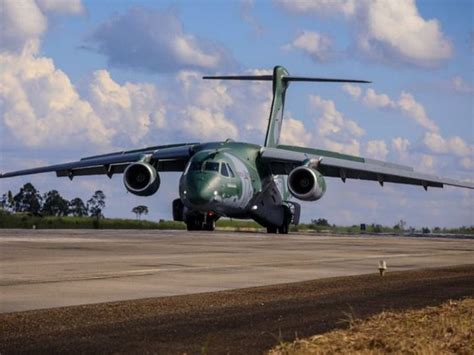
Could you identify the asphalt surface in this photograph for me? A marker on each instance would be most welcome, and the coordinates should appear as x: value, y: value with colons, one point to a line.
x: 52, y: 268
x: 245, y: 321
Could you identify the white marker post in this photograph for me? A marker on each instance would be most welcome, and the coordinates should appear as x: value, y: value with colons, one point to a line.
x: 382, y: 267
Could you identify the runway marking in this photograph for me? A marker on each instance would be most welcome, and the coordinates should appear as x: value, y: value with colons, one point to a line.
x: 187, y: 269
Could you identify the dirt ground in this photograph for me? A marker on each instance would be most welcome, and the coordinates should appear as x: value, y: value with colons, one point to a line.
x: 245, y: 321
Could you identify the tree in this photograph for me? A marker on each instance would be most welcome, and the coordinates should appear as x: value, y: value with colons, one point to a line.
x: 54, y: 204
x: 77, y: 208
x: 139, y: 210
x: 96, y: 204
x: 27, y: 200
x: 320, y: 222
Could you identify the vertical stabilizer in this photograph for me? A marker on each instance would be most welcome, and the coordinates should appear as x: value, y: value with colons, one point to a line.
x: 281, y: 79
x: 278, y: 103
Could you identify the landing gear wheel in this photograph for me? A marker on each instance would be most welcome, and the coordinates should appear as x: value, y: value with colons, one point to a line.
x: 193, y: 224
x: 210, y: 225
x: 272, y: 230
x: 283, y: 229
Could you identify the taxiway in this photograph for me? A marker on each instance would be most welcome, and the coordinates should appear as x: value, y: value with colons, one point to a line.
x: 52, y: 268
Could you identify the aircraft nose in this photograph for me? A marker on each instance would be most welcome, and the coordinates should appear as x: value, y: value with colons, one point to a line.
x: 200, y: 190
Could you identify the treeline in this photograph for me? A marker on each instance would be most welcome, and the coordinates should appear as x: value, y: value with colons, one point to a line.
x: 29, y: 200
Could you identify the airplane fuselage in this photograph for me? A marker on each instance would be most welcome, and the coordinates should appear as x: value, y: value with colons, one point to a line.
x: 226, y: 179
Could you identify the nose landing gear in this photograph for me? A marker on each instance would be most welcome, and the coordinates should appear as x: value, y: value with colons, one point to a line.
x: 197, y: 222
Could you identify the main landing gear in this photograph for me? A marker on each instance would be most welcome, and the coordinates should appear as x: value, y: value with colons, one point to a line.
x: 197, y: 222
x: 284, y: 228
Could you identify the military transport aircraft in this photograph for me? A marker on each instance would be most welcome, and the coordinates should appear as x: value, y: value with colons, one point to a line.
x: 242, y: 180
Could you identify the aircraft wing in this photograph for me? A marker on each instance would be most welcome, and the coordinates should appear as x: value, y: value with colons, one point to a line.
x: 165, y: 158
x: 283, y: 158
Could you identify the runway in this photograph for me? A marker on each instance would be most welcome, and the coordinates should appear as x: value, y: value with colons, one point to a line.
x: 52, y: 268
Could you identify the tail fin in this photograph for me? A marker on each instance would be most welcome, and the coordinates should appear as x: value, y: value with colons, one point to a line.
x: 281, y: 79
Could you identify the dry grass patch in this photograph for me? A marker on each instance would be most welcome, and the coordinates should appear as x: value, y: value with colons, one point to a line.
x: 443, y: 329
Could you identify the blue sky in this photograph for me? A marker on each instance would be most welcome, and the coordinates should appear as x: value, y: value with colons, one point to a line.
x: 85, y: 77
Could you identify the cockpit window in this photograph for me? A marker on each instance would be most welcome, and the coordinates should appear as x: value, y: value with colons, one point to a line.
x: 211, y: 166
x: 230, y: 170
x: 195, y: 166
x: 224, y: 170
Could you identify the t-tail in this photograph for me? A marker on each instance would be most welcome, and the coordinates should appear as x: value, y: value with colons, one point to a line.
x: 281, y: 80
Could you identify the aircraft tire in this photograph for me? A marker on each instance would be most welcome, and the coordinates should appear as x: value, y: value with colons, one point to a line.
x: 283, y: 229
x: 210, y: 225
x: 272, y: 230
x: 193, y: 224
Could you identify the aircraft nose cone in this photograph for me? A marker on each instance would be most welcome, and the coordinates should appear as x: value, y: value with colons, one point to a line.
x: 199, y: 191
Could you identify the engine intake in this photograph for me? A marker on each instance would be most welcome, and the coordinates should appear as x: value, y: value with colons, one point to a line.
x: 306, y: 184
x: 141, y: 179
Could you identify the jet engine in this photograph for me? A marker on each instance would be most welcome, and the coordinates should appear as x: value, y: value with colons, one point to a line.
x: 306, y: 184
x: 141, y: 179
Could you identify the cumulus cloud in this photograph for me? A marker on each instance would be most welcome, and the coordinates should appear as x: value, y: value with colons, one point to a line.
x: 454, y: 145
x: 372, y: 99
x: 294, y: 132
x: 353, y: 90
x: 458, y: 84
x: 156, y: 41
x: 41, y: 106
x: 376, y: 149
x: 389, y: 31
x: 335, y: 131
x: 413, y: 109
x: 207, y: 124
x: 129, y: 111
x: 246, y: 13
x: 406, y: 104
x: 324, y: 7
x: 22, y: 23
x: 400, y: 145
x: 65, y: 7
x: 317, y: 46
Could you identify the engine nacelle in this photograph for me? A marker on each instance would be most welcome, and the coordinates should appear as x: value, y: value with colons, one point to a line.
x: 306, y: 184
x: 141, y: 179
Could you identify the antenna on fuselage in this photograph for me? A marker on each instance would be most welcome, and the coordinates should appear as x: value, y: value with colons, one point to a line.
x: 281, y: 79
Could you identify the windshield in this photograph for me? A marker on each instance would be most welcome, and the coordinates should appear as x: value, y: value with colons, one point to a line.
x: 211, y: 166
x: 195, y: 165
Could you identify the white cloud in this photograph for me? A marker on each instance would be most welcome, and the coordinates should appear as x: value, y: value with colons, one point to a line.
x: 66, y: 7
x: 246, y: 13
x: 130, y: 111
x: 324, y: 7
x: 406, y: 104
x: 376, y: 149
x: 333, y: 130
x: 41, y: 106
x: 317, y: 46
x: 467, y: 163
x: 295, y: 133
x: 454, y: 145
x: 206, y: 124
x: 353, y: 90
x: 390, y: 31
x: 458, y: 84
x: 156, y: 41
x: 23, y: 22
x: 372, y: 99
x: 400, y: 145
x: 413, y: 109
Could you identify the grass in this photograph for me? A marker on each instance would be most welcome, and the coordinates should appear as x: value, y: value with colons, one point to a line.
x: 26, y: 220
x: 445, y: 329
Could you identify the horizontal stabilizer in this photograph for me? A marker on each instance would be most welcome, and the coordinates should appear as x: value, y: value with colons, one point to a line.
x: 323, y: 80
x: 283, y: 78
x: 240, y: 77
